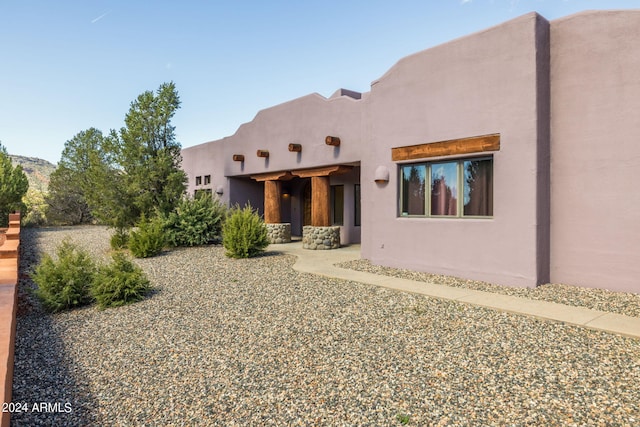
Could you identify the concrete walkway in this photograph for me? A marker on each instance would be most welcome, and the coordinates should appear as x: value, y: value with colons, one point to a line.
x: 323, y: 263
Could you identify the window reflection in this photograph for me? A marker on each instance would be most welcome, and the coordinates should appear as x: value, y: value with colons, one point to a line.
x: 413, y: 189
x: 444, y: 190
x: 478, y: 188
x: 459, y: 188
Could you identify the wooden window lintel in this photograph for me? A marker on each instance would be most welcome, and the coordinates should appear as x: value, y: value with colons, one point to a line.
x: 476, y: 144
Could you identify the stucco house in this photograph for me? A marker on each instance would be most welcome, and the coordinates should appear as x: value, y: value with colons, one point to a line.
x: 508, y: 155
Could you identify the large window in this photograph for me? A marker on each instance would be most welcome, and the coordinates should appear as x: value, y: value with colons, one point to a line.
x: 460, y: 188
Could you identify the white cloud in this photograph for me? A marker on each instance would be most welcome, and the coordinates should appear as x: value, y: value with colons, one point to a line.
x: 94, y: 20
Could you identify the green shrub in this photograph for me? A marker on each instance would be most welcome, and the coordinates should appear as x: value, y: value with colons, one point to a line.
x: 65, y: 283
x: 149, y: 239
x: 35, y: 208
x: 196, y: 221
x: 120, y: 239
x: 119, y: 283
x: 244, y: 233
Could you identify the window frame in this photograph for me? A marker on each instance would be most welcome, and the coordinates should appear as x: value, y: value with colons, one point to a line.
x: 460, y: 185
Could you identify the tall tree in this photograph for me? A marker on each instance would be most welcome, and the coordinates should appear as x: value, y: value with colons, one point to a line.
x: 66, y: 200
x: 82, y: 179
x: 149, y: 154
x: 13, y: 186
x: 122, y: 176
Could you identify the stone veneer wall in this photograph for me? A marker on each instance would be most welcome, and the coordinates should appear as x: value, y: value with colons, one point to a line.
x: 319, y: 238
x: 279, y: 233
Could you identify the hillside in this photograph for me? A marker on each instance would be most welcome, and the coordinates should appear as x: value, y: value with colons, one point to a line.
x: 37, y: 170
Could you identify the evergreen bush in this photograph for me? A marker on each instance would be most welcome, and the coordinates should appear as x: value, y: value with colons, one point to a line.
x: 119, y: 283
x: 196, y: 221
x: 35, y: 209
x: 149, y: 239
x: 120, y: 239
x: 13, y: 186
x: 65, y: 282
x: 244, y: 233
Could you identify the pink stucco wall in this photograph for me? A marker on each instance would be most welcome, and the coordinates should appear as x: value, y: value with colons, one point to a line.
x: 485, y: 83
x: 206, y: 159
x: 563, y: 96
x: 595, y: 150
x: 307, y: 121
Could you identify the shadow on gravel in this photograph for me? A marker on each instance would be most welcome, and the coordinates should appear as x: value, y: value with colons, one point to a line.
x: 269, y: 253
x: 46, y: 387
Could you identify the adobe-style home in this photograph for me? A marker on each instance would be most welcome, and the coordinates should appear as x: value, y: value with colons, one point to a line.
x: 509, y: 156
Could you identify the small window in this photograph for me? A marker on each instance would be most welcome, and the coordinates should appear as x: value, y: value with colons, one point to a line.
x: 198, y: 180
x: 207, y: 179
x: 461, y: 188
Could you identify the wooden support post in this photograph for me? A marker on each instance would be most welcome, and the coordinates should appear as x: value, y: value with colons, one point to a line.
x: 272, y: 195
x: 238, y: 158
x: 320, y: 201
x: 297, y: 148
x: 262, y: 153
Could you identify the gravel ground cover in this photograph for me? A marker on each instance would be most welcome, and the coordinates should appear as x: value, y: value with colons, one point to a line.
x: 598, y: 299
x: 253, y: 342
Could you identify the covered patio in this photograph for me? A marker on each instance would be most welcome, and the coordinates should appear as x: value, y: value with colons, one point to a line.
x: 305, y: 202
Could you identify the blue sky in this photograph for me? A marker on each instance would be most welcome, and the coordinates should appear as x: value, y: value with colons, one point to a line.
x: 66, y: 66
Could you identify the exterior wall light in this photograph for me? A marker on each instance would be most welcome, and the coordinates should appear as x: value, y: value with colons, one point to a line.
x: 219, y: 190
x: 382, y: 175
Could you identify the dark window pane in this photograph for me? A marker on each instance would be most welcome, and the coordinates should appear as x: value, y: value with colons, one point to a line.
x: 337, y: 198
x: 478, y: 187
x: 413, y: 189
x: 444, y: 189
x: 357, y: 204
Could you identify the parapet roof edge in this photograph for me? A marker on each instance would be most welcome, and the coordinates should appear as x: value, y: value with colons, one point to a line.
x: 594, y: 12
x: 526, y: 16
x: 313, y: 95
